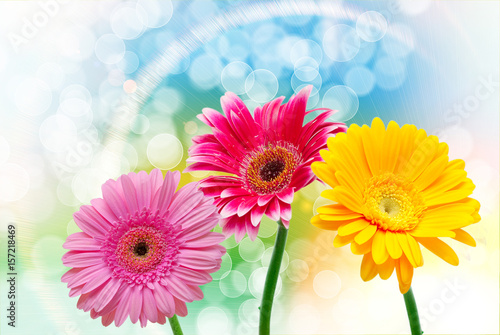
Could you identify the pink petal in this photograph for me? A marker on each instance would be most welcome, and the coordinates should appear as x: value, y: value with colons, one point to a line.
x: 99, y: 277
x: 75, y: 259
x: 163, y: 196
x: 123, y: 307
x: 164, y: 300
x: 209, y: 239
x: 285, y: 223
x: 149, y: 305
x: 135, y: 304
x: 108, y: 318
x: 192, y: 276
x: 129, y: 192
x: 104, y: 210
x: 87, y: 224
x: 196, y: 263
x: 114, y: 199
x: 179, y: 289
x: 180, y: 307
x: 231, y: 208
x: 106, y: 294
x: 81, y: 242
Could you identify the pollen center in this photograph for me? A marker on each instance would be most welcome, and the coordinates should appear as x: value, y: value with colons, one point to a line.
x: 393, y: 203
x: 270, y: 169
x: 141, y: 249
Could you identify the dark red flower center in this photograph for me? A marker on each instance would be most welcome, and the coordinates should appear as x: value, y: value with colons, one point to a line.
x: 271, y: 170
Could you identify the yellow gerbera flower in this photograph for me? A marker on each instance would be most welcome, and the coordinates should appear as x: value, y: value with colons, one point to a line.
x: 395, y: 189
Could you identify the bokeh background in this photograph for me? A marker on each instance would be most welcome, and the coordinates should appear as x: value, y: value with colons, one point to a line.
x: 90, y: 90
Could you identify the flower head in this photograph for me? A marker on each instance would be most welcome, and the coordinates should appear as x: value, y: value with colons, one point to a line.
x: 268, y: 157
x: 395, y: 189
x: 144, y: 249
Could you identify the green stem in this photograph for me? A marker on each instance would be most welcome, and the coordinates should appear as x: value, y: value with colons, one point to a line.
x: 271, y: 280
x: 411, y: 309
x: 174, y: 324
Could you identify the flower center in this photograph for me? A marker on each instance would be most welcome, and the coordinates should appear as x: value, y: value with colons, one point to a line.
x: 393, y: 203
x: 270, y: 169
x: 141, y: 249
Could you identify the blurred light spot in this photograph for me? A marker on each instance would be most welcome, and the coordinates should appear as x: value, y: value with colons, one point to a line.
x: 43, y: 253
x: 165, y: 151
x: 459, y: 140
x: 297, y: 270
x: 341, y: 43
x: 77, y: 42
x: 261, y: 85
x: 284, y: 49
x: 127, y: 21
x: 233, y: 45
x: 306, y: 48
x: 125, y: 151
x: 400, y: 43
x: 33, y: 97
x: 14, y: 182
x: 265, y: 41
x: 366, y: 51
x: 57, y: 133
x: 304, y: 319
x: 65, y: 194
x: 87, y: 184
x: 327, y: 284
x: 350, y: 301
x: 233, y: 284
x: 109, y: 49
x: 4, y: 150
x: 306, y: 68
x: 257, y: 280
x: 251, y: 105
x: 116, y: 77
x: 190, y: 127
x: 201, y: 9
x: 251, y: 251
x: 51, y: 74
x: 267, y: 227
x: 212, y: 321
x: 360, y: 79
x: 343, y: 99
x: 249, y: 312
x: 266, y: 259
x: 371, y: 26
x: 413, y: 7
x: 129, y: 63
x: 298, y: 84
x: 233, y: 77
x: 167, y: 100
x: 205, y: 71
x: 181, y: 66
x: 390, y: 73
x: 158, y: 13
x: 225, y: 268
x: 229, y: 242
x: 129, y: 86
x: 6, y: 218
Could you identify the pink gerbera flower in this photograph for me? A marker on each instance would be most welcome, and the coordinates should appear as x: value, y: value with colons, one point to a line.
x: 269, y: 157
x: 144, y: 249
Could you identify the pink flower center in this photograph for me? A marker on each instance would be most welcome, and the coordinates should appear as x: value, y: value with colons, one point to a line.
x: 269, y: 169
x: 141, y: 248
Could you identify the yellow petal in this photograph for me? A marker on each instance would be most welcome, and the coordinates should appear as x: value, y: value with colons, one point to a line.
x: 340, y: 241
x: 361, y: 249
x: 368, y: 268
x: 392, y: 245
x: 390, y: 152
x: 353, y: 227
x: 322, y: 171
x: 349, y: 181
x: 459, y: 192
x: 406, y: 270
x: 379, y: 251
x: 403, y: 287
x: 464, y: 237
x: 365, y: 234
x: 407, y: 140
x: 345, y: 197
x: 440, y: 249
x: 431, y: 173
x: 405, y: 245
x: 372, y: 148
x: 431, y: 232
x: 446, y: 181
x: 328, y: 225
x: 385, y: 270
x: 421, y: 158
x: 415, y: 250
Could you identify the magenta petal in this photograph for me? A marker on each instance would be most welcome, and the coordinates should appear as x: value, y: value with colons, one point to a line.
x: 273, y: 210
x: 264, y: 199
x: 231, y: 208
x: 285, y: 223
x: 286, y: 211
x: 233, y: 192
x: 256, y: 214
x: 246, y: 205
x: 286, y: 195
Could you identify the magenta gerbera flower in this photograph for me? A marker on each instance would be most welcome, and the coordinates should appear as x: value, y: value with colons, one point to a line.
x: 144, y: 250
x: 269, y: 158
